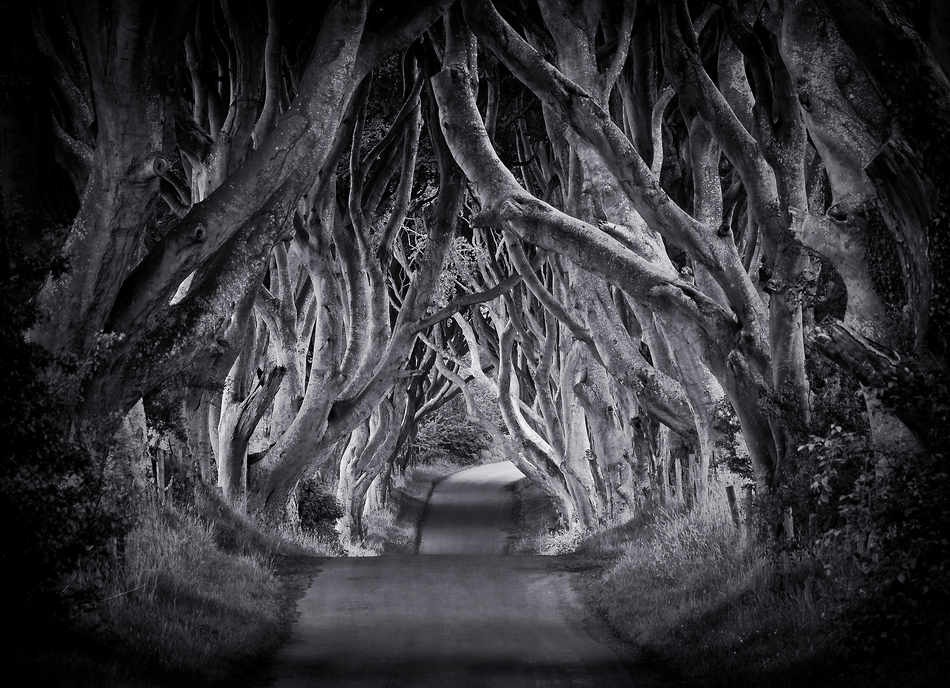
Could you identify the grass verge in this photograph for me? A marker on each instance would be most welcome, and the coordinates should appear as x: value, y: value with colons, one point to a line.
x: 199, y: 596
x: 720, y: 609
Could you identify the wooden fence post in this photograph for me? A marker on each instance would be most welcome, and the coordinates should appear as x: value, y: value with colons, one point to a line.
x: 678, y: 477
x: 748, y: 505
x: 692, y: 475
x: 733, y: 506
x: 789, y: 523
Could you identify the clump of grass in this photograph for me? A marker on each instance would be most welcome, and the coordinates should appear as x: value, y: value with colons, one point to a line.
x: 197, y: 608
x: 318, y: 543
x: 561, y: 541
x: 535, y: 519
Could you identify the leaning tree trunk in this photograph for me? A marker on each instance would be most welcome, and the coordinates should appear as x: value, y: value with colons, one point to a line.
x: 610, y: 444
x: 739, y: 362
x: 366, y: 455
x: 847, y: 122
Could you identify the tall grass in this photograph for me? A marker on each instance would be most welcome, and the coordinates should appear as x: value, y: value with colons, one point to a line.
x: 691, y: 588
x: 190, y: 599
x: 197, y: 608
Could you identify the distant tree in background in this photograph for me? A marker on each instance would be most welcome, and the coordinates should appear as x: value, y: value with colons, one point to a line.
x: 450, y: 434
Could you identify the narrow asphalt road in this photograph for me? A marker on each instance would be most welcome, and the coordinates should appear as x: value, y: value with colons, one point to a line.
x: 471, y: 511
x: 459, y: 614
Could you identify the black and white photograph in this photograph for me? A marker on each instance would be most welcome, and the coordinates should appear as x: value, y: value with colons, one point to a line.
x: 475, y: 343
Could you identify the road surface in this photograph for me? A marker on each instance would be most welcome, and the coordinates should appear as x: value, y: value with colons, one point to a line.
x: 459, y: 614
x: 469, y: 512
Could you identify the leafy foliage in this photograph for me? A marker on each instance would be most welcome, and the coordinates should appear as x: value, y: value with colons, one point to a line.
x: 881, y: 257
x: 877, y: 520
x: 828, y: 468
x: 836, y: 398
x: 894, y: 523
x: 728, y: 448
x: 894, y: 519
x: 880, y: 519
x: 919, y: 394
x: 448, y: 434
x: 836, y: 448
x: 317, y: 507
x: 61, y: 502
x: 163, y: 409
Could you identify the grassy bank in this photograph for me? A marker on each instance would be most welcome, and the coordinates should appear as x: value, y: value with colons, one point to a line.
x: 722, y: 609
x: 193, y: 598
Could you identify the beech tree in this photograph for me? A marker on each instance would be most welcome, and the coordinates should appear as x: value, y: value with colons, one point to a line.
x: 697, y: 316
x: 251, y: 122
x: 742, y: 311
x: 262, y: 208
x: 197, y: 131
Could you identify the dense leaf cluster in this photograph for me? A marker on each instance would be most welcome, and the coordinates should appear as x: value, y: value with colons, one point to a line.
x: 885, y: 516
x: 890, y: 516
x: 318, y: 507
x: 728, y: 448
x: 449, y: 434
x: 59, y: 505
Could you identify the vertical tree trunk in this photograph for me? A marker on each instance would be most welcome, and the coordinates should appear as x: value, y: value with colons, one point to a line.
x: 197, y: 410
x: 664, y: 457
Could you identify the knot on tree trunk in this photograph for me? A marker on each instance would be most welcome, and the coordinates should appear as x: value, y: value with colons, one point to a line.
x: 152, y: 167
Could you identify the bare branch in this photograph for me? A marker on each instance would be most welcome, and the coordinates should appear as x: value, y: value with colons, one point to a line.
x: 462, y: 302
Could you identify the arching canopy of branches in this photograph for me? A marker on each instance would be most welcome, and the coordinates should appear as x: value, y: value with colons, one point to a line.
x: 616, y: 229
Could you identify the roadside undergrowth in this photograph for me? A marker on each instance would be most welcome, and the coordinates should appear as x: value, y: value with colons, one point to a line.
x: 722, y: 607
x: 189, y: 599
x: 692, y: 589
x: 536, y: 520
